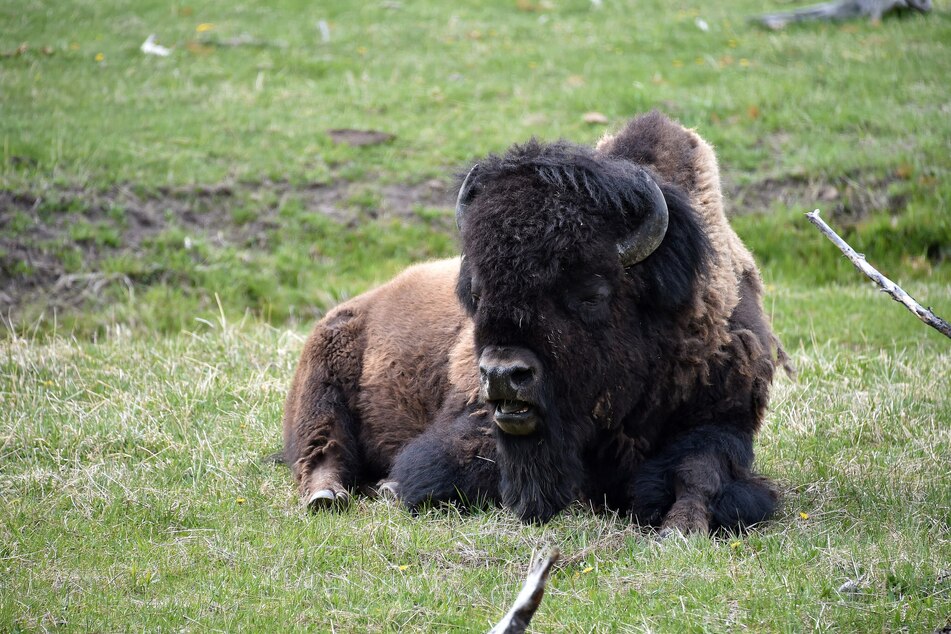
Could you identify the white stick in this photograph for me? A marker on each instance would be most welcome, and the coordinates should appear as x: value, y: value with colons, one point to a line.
x: 886, y: 284
x: 529, y: 598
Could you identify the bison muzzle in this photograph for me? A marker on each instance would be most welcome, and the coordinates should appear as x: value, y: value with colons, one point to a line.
x: 510, y: 380
x: 601, y: 339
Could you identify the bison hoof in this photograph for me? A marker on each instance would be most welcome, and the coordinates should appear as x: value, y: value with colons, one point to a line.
x: 328, y: 498
x: 671, y: 534
x: 688, y: 515
x: 389, y: 490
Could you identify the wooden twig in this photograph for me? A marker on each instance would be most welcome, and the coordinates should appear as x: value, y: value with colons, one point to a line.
x: 843, y: 10
x: 886, y: 284
x: 530, y: 597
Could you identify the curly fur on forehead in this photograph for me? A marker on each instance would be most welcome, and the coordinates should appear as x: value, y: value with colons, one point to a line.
x: 605, y: 184
x: 543, y: 209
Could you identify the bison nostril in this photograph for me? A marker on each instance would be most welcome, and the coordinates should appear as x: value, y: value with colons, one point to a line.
x: 520, y: 377
x: 508, y: 373
x: 506, y: 381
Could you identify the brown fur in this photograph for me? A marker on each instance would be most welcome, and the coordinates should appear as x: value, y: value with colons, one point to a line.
x: 682, y: 157
x: 392, y: 353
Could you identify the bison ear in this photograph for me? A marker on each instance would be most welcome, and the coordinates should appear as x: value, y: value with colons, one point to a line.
x: 640, y: 243
x: 467, y: 192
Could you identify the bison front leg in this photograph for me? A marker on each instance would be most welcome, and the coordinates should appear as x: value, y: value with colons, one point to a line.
x: 319, y: 442
x: 452, y: 462
x: 702, y: 481
x: 696, y: 482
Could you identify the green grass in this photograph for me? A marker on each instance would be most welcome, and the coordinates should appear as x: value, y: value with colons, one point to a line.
x: 452, y: 84
x: 134, y: 496
x: 323, y: 265
x: 855, y: 103
x: 138, y: 398
x: 859, y: 105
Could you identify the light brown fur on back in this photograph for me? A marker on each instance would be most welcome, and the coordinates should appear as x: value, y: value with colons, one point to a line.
x: 414, y: 323
x: 680, y: 156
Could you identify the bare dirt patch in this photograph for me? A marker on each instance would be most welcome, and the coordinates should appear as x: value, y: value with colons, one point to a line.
x: 847, y: 199
x: 359, y: 138
x: 39, y: 230
x: 43, y: 254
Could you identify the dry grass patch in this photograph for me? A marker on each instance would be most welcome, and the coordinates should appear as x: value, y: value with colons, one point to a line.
x: 134, y: 495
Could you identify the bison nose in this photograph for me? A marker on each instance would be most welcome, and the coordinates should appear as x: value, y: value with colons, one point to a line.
x: 508, y: 373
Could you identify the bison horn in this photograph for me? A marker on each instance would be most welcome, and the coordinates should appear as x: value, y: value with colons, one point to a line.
x: 466, y: 194
x: 646, y: 238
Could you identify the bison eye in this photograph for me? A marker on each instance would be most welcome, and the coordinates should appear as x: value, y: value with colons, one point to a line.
x: 590, y: 300
x: 475, y: 291
x: 596, y: 297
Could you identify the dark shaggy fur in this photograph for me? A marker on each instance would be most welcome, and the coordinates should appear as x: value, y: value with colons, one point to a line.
x: 648, y: 382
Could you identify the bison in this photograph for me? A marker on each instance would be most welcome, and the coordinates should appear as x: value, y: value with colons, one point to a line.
x: 600, y: 339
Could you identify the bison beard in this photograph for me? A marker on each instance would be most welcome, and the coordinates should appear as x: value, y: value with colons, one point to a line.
x: 601, y: 340
x: 472, y: 461
x: 540, y: 473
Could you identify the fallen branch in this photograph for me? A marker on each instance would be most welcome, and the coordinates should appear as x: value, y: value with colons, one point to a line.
x: 530, y: 597
x: 890, y: 287
x: 843, y: 10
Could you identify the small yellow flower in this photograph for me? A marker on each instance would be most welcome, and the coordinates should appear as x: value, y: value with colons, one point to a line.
x: 48, y: 383
x: 677, y: 63
x: 204, y: 27
x: 403, y: 567
x: 587, y: 570
x: 735, y: 544
x: 744, y: 62
x: 803, y: 516
x: 240, y: 500
x: 100, y: 57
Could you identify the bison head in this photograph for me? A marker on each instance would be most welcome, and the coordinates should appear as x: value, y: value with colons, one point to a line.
x: 574, y: 265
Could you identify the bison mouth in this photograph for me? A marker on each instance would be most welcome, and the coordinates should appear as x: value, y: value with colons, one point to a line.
x: 518, y: 418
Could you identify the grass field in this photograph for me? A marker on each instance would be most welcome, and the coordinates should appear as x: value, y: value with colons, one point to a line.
x: 171, y: 227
